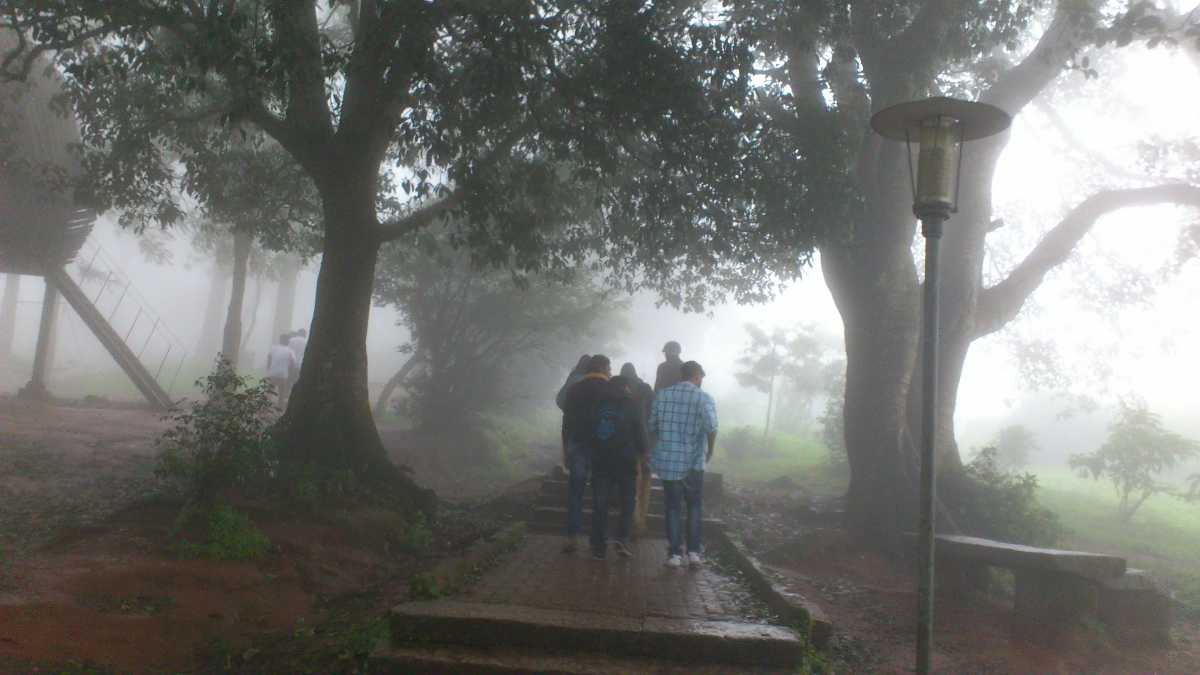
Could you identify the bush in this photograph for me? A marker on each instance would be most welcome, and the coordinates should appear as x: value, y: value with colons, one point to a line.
x: 220, y: 442
x: 998, y: 504
x: 417, y: 538
x: 744, y: 441
x: 231, y: 536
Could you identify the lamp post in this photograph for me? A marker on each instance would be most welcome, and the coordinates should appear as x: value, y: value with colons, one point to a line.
x: 939, y: 126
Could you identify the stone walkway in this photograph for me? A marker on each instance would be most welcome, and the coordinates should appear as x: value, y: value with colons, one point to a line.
x: 539, y: 575
x: 540, y: 610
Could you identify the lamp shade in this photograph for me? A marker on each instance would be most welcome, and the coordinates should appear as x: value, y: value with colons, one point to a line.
x: 939, y: 126
x: 901, y: 121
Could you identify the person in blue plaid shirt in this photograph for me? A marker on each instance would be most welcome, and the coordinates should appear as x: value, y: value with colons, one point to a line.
x: 684, y: 418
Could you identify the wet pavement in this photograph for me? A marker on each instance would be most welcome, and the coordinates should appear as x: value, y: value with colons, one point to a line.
x: 540, y: 576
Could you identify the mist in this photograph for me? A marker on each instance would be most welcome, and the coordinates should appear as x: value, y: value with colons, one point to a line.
x: 317, y: 333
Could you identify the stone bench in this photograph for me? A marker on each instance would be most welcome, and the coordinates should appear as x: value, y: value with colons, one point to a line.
x: 1056, y: 589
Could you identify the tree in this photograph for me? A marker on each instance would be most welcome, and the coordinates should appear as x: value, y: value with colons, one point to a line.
x: 1137, y: 452
x: 516, y: 116
x: 484, y: 340
x: 764, y: 360
x: 827, y: 67
x: 1014, y: 443
x: 795, y: 358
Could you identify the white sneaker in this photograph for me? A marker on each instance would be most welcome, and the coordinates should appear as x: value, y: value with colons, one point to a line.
x: 694, y: 559
x: 675, y: 561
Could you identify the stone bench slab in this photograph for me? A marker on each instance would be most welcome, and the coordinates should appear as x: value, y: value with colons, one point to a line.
x: 1095, y: 566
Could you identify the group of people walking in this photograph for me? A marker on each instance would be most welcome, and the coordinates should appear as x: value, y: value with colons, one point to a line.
x: 618, y: 431
x: 283, y: 364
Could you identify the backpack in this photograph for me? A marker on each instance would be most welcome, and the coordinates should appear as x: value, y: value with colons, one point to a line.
x: 608, y: 428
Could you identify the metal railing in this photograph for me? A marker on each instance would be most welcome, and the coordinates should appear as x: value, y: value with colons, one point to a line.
x: 147, y: 334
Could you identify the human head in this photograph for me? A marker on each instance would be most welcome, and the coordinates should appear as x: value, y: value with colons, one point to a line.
x: 283, y: 339
x: 692, y: 372
x: 599, y: 364
x: 581, y: 366
x: 627, y: 370
x: 623, y: 383
x: 672, y: 348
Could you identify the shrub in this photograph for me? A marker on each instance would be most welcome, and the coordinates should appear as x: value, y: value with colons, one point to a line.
x: 1000, y: 504
x: 417, y: 538
x: 231, y: 536
x: 743, y: 442
x: 221, y: 441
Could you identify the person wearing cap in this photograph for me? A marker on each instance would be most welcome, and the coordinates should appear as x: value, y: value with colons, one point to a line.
x: 668, y: 371
x: 684, y: 418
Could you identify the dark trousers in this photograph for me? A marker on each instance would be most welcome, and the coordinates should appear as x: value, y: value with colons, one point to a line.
x: 579, y: 465
x: 689, y: 490
x: 609, y: 486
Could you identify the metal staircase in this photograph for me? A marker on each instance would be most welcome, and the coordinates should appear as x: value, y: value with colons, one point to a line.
x: 122, y: 320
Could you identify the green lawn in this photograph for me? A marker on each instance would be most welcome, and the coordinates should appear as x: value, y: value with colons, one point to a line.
x: 1163, y: 538
x: 803, y: 458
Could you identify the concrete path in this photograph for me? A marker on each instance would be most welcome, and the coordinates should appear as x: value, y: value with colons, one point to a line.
x: 550, y: 605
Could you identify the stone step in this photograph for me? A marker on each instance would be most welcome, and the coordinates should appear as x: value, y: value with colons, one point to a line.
x: 559, y: 487
x: 441, y: 659
x: 560, y: 501
x: 488, y: 626
x: 554, y: 519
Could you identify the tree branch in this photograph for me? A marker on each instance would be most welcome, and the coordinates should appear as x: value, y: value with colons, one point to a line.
x: 298, y: 41
x: 423, y: 216
x: 1018, y: 85
x: 1002, y: 302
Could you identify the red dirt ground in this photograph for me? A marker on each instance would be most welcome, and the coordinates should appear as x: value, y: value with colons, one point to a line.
x: 86, y: 576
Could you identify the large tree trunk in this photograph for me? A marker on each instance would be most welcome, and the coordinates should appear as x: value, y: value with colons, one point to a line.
x: 328, y: 429
x: 231, y: 340
x: 285, y: 297
x: 208, y: 344
x: 8, y: 314
x: 873, y: 281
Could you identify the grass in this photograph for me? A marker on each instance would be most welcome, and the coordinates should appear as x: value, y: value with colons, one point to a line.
x: 800, y: 457
x: 1162, y: 538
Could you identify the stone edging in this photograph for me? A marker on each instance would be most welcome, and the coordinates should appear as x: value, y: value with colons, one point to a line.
x: 789, y: 606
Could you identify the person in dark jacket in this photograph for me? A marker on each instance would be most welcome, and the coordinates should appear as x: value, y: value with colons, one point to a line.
x: 615, y: 461
x: 669, y: 373
x: 643, y: 395
x: 560, y: 399
x: 577, y: 411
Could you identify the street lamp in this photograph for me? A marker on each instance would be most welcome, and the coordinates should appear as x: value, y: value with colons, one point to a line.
x: 939, y: 126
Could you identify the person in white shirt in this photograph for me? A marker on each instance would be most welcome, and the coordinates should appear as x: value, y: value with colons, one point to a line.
x: 281, y: 364
x: 298, y: 342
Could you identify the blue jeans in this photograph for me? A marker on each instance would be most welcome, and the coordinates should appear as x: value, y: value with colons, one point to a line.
x: 579, y: 465
x: 604, y: 485
x: 676, y: 492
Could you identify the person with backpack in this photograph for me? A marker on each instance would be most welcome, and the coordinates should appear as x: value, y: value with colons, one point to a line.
x: 618, y: 441
x: 581, y: 398
x: 560, y: 399
x: 643, y: 395
x: 684, y: 418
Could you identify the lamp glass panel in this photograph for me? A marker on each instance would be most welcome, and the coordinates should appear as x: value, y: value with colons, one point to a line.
x: 937, y: 163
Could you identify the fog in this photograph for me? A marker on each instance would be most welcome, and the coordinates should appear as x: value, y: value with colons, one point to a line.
x: 1143, y: 344
x: 467, y: 345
